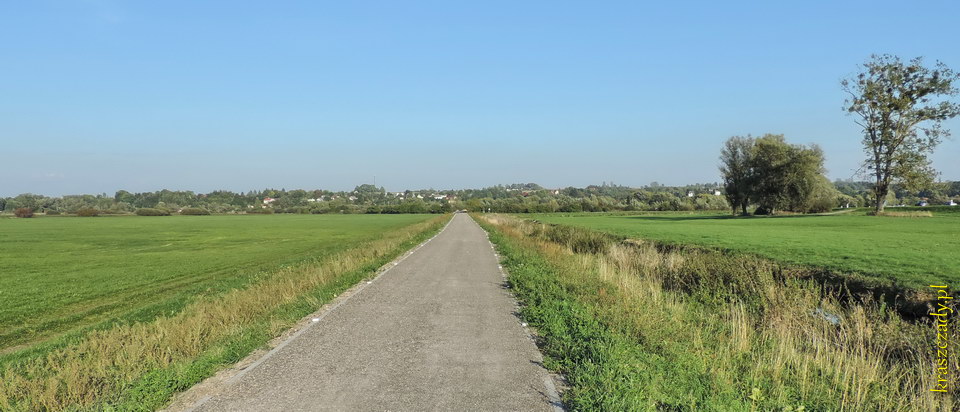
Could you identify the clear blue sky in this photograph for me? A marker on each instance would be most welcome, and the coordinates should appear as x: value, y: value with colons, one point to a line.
x: 97, y: 96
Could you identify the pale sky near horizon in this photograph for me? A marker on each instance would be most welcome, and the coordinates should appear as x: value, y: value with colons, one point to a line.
x: 101, y: 95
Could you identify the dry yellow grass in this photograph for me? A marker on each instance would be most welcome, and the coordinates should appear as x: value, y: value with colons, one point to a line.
x: 921, y: 213
x: 80, y: 375
x: 772, y: 327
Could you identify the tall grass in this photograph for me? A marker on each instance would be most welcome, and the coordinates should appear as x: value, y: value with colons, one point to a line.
x: 140, y: 366
x: 636, y: 327
x: 914, y: 213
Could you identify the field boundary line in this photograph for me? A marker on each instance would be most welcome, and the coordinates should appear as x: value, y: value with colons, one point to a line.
x: 231, y: 375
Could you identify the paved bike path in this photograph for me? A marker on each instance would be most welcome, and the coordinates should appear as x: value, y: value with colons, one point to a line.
x: 435, y: 332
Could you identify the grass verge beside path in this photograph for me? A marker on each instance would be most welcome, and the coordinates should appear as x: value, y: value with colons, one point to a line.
x: 635, y: 328
x: 140, y: 366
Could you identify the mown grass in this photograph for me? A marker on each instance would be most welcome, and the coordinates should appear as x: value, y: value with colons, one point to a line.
x: 67, y: 274
x: 912, y: 253
x: 139, y: 365
x: 636, y: 327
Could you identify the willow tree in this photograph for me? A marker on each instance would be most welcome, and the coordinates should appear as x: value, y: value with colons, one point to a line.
x: 785, y: 176
x: 737, y: 173
x: 900, y: 107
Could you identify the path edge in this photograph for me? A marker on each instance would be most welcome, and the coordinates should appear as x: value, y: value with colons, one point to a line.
x: 550, y: 379
x: 198, y: 394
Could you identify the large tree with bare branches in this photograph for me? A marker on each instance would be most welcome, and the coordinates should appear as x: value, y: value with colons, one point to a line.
x: 901, y: 107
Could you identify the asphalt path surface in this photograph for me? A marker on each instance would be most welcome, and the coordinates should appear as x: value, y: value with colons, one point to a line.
x: 437, y: 331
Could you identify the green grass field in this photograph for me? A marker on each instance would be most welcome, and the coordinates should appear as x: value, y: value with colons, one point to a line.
x: 913, y: 252
x: 62, y: 274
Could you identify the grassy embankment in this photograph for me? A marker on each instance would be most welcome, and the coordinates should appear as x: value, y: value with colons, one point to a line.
x: 907, y: 252
x: 184, y: 297
x: 636, y: 327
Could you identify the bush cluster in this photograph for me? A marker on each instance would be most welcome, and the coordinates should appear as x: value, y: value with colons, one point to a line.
x: 149, y: 211
x: 23, y: 212
x: 260, y: 211
x: 579, y: 240
x: 194, y: 211
x: 916, y: 213
x: 88, y: 212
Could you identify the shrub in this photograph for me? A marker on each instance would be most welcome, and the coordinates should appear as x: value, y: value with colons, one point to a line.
x: 23, y: 212
x: 148, y: 211
x: 260, y: 211
x: 915, y: 213
x: 579, y: 240
x: 821, y: 205
x: 589, y: 242
x: 194, y: 211
x: 762, y: 210
x: 51, y: 213
x: 88, y: 212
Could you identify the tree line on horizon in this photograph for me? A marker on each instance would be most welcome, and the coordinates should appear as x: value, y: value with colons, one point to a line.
x: 515, y: 198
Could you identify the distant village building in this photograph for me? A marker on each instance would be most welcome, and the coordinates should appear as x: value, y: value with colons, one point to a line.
x: 268, y: 200
x: 716, y: 192
x: 689, y: 193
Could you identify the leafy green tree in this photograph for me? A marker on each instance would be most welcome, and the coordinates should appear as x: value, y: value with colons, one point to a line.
x: 805, y: 182
x: 706, y: 201
x: 297, y: 196
x: 784, y: 176
x: 369, y: 193
x: 824, y: 197
x: 123, y: 196
x: 474, y: 205
x: 29, y: 201
x: 895, y: 101
x: 413, y: 206
x: 953, y: 188
x: 737, y: 173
